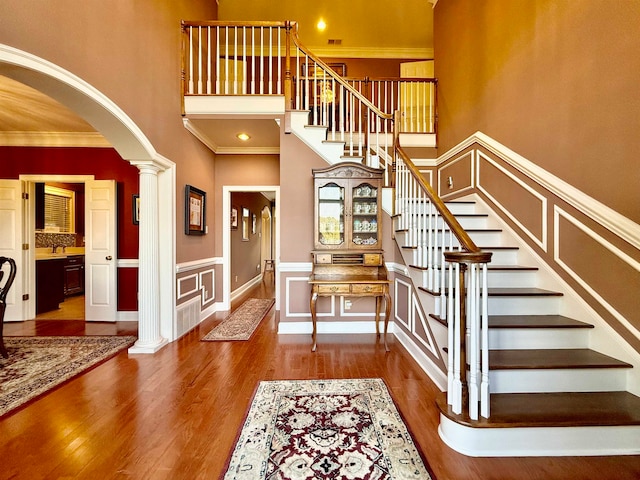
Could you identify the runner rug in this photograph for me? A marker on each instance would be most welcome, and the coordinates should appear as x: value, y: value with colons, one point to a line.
x: 242, y: 322
x: 325, y: 429
x: 38, y: 364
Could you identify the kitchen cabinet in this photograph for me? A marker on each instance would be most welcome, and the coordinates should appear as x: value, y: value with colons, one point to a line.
x: 74, y: 275
x: 49, y: 284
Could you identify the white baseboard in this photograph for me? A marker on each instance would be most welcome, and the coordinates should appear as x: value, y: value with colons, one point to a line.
x: 129, y: 316
x: 435, y: 373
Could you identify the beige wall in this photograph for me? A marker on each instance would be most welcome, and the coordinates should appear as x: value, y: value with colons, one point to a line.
x: 556, y: 81
x: 130, y: 51
x: 242, y: 170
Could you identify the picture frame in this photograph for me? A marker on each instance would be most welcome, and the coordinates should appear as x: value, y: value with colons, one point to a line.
x: 234, y: 218
x: 245, y: 224
x: 195, y: 211
x: 253, y: 223
x: 135, y: 209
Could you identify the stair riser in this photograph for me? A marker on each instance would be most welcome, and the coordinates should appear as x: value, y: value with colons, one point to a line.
x: 557, y: 380
x: 520, y: 305
x: 539, y: 441
x: 461, y: 208
x: 537, y: 338
x: 495, y: 279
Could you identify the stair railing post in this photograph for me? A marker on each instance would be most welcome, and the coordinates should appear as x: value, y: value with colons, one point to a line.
x: 464, y: 391
x: 288, y: 98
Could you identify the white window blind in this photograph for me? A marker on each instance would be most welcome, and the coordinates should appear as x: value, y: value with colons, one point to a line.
x: 58, y: 210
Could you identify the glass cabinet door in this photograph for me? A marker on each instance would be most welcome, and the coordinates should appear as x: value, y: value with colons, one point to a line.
x: 331, y: 215
x: 364, y: 209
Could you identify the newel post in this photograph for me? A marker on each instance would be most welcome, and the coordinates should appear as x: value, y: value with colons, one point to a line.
x: 288, y: 97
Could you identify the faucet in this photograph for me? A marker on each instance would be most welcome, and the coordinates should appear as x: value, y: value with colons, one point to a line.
x: 54, y: 248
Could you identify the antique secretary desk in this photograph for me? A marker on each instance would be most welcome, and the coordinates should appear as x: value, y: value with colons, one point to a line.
x: 347, y: 259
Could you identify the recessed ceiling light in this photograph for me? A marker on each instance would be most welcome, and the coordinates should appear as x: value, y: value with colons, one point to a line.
x: 243, y: 136
x: 321, y: 25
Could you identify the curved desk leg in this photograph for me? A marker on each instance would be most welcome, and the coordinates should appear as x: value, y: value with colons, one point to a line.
x: 387, y: 315
x: 314, y: 299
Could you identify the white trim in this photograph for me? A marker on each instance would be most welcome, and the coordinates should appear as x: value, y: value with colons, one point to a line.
x: 234, y: 106
x: 238, y: 292
x: 198, y: 264
x: 53, y: 139
x: 210, y: 310
x: 128, y: 263
x: 622, y: 226
x: 182, y: 294
x: 434, y: 372
x: 213, y: 286
x: 200, y: 135
x: 56, y: 178
x: 127, y: 316
x: 306, y: 267
x: 397, y: 268
x: 541, y: 242
x: 289, y: 313
x: 539, y: 441
x: 409, y: 324
x: 337, y: 327
x: 226, y: 238
x: 471, y: 174
x: 428, y: 343
x: 372, y: 52
x: 557, y: 213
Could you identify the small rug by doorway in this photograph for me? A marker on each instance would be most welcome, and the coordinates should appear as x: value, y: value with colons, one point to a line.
x: 38, y: 364
x: 325, y: 429
x: 242, y: 322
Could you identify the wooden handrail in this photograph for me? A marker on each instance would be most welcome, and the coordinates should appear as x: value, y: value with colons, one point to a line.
x: 463, y: 237
x: 336, y: 77
x: 221, y: 23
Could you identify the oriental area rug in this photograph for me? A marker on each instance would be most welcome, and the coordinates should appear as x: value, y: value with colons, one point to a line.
x: 325, y: 429
x: 242, y: 322
x: 38, y: 364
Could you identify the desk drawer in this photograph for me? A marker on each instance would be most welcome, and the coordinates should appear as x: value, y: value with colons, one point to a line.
x: 334, y: 289
x: 360, y: 288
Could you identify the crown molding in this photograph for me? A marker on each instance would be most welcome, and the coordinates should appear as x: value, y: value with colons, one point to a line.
x: 372, y: 52
x: 53, y: 139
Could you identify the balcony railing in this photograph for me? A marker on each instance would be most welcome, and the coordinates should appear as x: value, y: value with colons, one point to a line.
x: 267, y: 58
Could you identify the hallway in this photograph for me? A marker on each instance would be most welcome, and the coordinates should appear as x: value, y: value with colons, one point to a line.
x: 175, y: 415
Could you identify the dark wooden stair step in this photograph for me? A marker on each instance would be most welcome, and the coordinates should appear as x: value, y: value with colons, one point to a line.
x: 491, y: 267
x: 528, y: 321
x: 562, y: 358
x: 575, y: 409
x: 535, y: 321
x: 510, y: 292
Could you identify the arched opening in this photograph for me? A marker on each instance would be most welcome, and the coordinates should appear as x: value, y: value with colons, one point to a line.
x: 156, y: 308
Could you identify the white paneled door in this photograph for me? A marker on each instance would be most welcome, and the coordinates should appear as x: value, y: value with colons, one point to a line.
x: 100, y: 250
x: 11, y: 223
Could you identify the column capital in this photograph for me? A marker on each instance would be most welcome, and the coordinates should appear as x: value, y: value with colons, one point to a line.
x: 154, y: 165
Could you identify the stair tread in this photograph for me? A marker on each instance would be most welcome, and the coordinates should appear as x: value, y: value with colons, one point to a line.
x: 511, y: 292
x: 561, y: 358
x: 554, y: 410
x: 528, y: 321
x: 490, y: 267
x: 535, y: 321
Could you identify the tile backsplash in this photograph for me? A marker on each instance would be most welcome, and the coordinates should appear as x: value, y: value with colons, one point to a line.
x: 55, y: 239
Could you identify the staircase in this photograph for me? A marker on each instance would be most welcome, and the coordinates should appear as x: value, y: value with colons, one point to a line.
x: 550, y: 393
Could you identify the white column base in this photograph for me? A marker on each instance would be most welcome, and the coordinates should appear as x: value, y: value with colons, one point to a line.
x: 150, y: 347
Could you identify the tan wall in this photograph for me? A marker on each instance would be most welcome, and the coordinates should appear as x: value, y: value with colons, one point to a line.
x: 130, y: 51
x: 245, y: 170
x: 556, y: 81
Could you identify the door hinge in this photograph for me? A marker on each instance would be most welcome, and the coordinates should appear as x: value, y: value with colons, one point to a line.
x: 25, y: 246
x: 25, y: 196
x: 25, y: 297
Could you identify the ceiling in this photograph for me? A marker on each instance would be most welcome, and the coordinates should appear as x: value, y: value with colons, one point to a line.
x: 28, y: 117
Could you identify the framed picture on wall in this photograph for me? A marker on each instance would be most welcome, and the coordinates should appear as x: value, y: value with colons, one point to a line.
x: 245, y: 224
x: 195, y: 210
x: 234, y: 218
x: 135, y: 209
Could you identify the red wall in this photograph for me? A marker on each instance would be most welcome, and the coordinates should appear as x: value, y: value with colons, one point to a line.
x: 104, y: 164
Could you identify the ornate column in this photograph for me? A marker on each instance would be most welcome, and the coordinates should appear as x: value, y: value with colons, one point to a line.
x: 149, y: 338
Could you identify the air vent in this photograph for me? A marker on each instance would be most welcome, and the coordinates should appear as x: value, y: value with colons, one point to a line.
x: 334, y: 41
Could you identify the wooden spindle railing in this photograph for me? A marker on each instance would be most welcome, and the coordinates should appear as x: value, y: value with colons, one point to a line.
x: 267, y: 58
x: 455, y: 271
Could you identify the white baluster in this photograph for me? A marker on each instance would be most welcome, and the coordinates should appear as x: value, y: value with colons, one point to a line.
x: 484, y: 386
x: 209, y: 60
x: 217, y: 60
x: 190, y: 59
x: 473, y: 292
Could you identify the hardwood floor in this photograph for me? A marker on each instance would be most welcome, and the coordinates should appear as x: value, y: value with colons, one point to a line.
x: 175, y: 415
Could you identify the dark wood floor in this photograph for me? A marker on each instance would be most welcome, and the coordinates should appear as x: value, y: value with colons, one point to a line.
x: 175, y: 415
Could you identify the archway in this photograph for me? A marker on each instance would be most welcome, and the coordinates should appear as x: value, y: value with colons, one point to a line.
x: 156, y: 309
